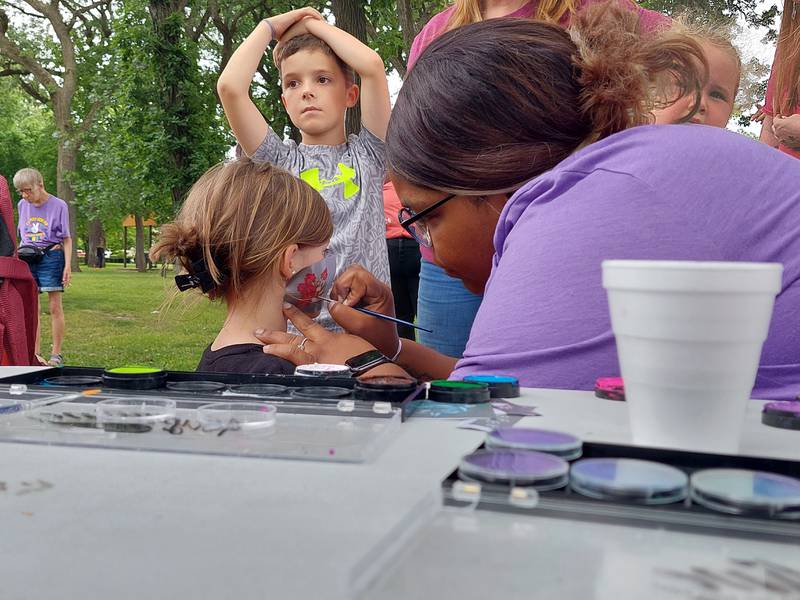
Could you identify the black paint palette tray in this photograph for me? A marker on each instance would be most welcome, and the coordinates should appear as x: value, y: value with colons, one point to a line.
x: 227, y: 387
x: 684, y: 515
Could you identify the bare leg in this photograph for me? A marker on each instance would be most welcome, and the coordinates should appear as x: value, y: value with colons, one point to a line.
x: 57, y: 318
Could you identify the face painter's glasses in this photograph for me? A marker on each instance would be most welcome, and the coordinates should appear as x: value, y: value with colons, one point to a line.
x: 414, y: 223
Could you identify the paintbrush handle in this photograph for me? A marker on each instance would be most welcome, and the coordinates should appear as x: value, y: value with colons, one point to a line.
x: 367, y: 311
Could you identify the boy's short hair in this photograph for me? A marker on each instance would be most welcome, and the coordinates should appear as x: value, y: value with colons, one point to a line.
x: 311, y: 42
x: 27, y: 177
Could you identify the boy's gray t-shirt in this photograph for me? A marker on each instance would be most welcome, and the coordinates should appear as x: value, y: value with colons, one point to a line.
x: 350, y: 178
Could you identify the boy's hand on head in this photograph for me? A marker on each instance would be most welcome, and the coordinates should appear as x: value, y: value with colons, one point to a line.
x: 282, y: 23
x: 298, y: 28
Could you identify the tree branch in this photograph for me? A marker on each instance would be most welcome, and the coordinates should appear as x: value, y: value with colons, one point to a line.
x: 9, y: 72
x: 33, y: 92
x: 12, y: 51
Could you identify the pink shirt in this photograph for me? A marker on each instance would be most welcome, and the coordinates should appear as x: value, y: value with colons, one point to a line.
x: 649, y: 20
x: 769, y: 108
x: 392, y: 206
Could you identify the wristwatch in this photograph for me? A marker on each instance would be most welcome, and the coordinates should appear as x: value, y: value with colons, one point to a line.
x: 361, y: 363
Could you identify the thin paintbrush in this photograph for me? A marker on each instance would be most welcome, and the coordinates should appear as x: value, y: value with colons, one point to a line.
x: 367, y: 311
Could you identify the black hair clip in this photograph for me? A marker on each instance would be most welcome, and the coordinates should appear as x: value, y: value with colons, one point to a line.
x: 200, y: 278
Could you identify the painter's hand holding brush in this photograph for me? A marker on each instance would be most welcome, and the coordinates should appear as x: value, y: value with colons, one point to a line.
x: 358, y: 287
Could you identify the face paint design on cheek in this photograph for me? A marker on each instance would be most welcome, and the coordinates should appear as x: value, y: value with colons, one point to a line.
x: 311, y: 283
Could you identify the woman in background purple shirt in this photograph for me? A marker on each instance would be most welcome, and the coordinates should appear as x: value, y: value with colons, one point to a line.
x: 445, y: 306
x: 515, y: 107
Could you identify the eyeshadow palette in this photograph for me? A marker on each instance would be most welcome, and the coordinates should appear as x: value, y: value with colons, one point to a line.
x: 741, y: 496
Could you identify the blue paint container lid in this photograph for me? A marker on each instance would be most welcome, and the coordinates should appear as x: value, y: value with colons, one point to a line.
x: 500, y: 386
x: 743, y: 492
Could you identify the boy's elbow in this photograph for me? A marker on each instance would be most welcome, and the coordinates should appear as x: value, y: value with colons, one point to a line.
x: 374, y: 65
x: 225, y: 88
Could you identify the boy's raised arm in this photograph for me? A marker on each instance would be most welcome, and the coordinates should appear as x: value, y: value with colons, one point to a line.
x: 375, y: 105
x: 233, y: 85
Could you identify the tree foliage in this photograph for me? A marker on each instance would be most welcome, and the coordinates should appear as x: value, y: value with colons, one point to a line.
x: 116, y: 98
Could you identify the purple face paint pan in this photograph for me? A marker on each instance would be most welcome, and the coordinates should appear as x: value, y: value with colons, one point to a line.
x: 627, y: 479
x: 560, y: 444
x: 515, y: 467
x: 785, y: 415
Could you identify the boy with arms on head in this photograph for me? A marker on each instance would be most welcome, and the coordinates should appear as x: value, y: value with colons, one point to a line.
x: 44, y: 223
x: 316, y: 61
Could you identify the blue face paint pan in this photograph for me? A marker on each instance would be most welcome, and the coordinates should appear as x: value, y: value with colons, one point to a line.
x: 630, y: 480
x: 744, y: 492
x: 500, y: 386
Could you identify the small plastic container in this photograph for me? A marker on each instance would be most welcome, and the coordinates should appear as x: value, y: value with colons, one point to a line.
x: 459, y: 392
x: 133, y: 415
x: 743, y: 492
x: 322, y: 370
x: 261, y: 389
x: 384, y: 388
x: 522, y: 468
x: 629, y: 479
x: 785, y: 415
x: 500, y: 386
x: 237, y: 416
x: 559, y: 444
x: 135, y: 378
x: 321, y: 393
x: 196, y: 387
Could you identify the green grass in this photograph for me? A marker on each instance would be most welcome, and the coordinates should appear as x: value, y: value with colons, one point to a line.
x: 117, y: 316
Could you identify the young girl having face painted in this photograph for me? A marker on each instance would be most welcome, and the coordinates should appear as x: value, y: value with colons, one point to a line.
x: 724, y: 72
x: 245, y: 230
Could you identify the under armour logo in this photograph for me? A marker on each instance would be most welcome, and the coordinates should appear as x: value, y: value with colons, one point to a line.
x: 345, y: 175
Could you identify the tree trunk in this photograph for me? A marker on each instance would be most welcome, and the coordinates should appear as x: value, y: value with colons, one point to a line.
x: 351, y: 18
x: 141, y: 263
x: 67, y: 160
x: 171, y: 64
x: 96, y: 239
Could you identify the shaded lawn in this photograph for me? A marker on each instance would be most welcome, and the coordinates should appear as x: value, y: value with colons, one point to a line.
x: 116, y: 316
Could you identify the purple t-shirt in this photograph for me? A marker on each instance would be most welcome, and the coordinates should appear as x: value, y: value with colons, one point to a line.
x: 45, y: 224
x: 661, y: 192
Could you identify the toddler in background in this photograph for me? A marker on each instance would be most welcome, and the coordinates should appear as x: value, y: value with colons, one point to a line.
x: 724, y: 73
x: 244, y: 230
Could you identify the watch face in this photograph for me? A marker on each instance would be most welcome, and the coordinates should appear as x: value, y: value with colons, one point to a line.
x: 370, y: 358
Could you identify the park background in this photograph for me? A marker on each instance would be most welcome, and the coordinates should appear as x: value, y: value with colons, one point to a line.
x: 115, y: 102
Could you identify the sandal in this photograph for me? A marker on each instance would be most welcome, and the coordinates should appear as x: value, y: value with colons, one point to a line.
x: 56, y: 360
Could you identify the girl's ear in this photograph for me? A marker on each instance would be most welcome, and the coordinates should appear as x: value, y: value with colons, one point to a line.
x: 287, y: 268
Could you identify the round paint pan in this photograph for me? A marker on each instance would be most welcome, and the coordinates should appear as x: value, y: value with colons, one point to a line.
x: 384, y: 389
x: 322, y: 370
x: 208, y: 387
x: 237, y: 416
x: 133, y: 415
x: 134, y: 378
x: 629, y: 479
x: 74, y: 380
x: 460, y: 392
x: 559, y: 444
x: 785, y: 415
x: 261, y: 389
x: 320, y: 393
x: 516, y: 468
x: 743, y: 492
x: 500, y: 386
